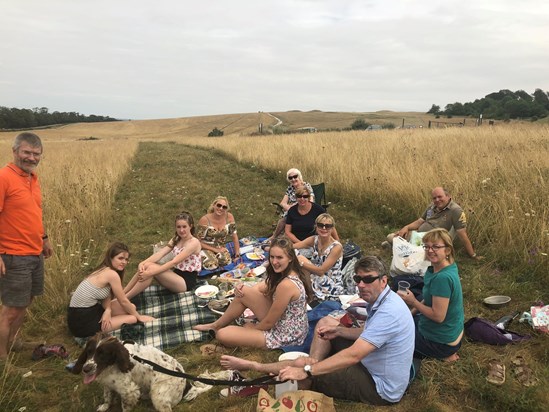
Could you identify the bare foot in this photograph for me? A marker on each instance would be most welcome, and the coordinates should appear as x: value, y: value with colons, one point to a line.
x: 205, y: 327
x: 232, y: 362
x: 451, y: 358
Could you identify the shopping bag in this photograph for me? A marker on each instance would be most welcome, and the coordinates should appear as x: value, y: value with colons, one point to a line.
x: 295, y: 401
x: 408, y: 259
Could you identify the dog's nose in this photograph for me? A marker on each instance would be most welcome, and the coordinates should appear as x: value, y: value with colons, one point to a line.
x: 88, y: 368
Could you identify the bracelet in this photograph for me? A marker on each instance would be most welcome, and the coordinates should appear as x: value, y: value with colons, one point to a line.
x: 44, y: 237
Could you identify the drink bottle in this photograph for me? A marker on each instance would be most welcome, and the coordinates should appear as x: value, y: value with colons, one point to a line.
x: 503, y: 322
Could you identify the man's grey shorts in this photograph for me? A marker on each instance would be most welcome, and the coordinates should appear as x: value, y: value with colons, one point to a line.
x: 24, y: 279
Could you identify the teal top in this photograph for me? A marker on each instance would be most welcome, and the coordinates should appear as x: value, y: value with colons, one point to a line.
x: 445, y: 284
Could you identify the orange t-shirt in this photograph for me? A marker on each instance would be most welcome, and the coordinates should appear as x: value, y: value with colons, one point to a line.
x: 21, y: 227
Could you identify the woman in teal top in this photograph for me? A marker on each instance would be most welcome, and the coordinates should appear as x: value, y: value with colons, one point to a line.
x: 440, y: 322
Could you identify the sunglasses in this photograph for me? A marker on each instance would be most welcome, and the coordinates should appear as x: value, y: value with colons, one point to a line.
x: 220, y: 206
x: 434, y: 248
x: 325, y: 225
x: 366, y: 279
x: 293, y: 177
x: 302, y: 197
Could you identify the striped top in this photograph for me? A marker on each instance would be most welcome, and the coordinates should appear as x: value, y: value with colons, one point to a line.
x: 87, y: 295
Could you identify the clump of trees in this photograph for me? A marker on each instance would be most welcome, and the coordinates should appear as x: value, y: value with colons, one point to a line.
x: 14, y: 118
x: 215, y: 132
x: 502, y: 105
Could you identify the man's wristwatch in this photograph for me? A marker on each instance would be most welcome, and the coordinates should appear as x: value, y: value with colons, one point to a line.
x: 308, y: 369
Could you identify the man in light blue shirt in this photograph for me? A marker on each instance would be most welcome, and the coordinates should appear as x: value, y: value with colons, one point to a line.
x: 370, y: 365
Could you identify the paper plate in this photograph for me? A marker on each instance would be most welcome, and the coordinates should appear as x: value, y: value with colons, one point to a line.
x: 206, y: 291
x: 292, y: 356
x: 258, y: 271
x: 497, y: 301
x: 254, y: 256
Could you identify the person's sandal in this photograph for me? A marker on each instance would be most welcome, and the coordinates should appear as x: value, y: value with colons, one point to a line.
x: 42, y: 351
x: 523, y: 373
x: 496, y: 372
x: 240, y: 391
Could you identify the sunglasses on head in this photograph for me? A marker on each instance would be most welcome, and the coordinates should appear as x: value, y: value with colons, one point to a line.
x: 220, y: 206
x: 366, y: 279
x: 293, y: 177
x: 325, y: 225
x: 302, y: 196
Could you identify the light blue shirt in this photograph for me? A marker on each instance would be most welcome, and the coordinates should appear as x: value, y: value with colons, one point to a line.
x: 390, y: 328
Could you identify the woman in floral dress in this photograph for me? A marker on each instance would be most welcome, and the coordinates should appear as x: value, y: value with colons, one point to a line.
x: 214, y: 229
x: 325, y: 263
x: 279, y: 303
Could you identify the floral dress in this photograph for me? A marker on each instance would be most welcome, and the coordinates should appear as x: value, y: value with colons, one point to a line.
x: 292, y: 327
x: 330, y: 285
x: 216, y: 238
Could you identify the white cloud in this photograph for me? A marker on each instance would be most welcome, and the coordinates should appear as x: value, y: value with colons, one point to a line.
x: 137, y: 59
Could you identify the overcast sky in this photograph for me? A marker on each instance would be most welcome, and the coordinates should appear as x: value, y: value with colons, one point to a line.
x: 177, y: 58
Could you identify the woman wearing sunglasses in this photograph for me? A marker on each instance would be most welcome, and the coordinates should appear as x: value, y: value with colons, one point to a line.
x: 214, y: 229
x: 325, y: 263
x: 300, y: 221
x: 279, y: 303
x: 294, y: 177
x: 439, y: 324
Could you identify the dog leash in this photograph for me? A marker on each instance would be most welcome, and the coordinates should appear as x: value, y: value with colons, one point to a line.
x: 262, y: 380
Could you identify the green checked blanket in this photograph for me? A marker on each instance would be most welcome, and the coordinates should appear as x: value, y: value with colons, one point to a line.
x: 175, y: 314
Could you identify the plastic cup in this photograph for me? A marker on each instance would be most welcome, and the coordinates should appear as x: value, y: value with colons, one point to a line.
x: 403, y: 286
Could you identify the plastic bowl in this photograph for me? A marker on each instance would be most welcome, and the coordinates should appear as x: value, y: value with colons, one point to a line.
x: 497, y: 301
x: 292, y: 356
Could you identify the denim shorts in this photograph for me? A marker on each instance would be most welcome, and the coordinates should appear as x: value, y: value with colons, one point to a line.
x: 23, y: 280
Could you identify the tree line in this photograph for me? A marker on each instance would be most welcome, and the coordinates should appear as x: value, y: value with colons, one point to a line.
x: 14, y: 118
x: 502, y: 105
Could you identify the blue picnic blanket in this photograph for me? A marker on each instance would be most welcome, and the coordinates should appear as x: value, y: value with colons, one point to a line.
x: 175, y: 314
x: 230, y: 247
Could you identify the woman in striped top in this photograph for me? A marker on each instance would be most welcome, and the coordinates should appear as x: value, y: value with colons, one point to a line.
x: 92, y: 308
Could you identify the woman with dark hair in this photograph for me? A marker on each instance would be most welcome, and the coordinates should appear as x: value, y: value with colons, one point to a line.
x: 92, y: 308
x: 295, y: 179
x: 214, y: 229
x: 178, y: 274
x: 279, y: 303
x: 439, y: 326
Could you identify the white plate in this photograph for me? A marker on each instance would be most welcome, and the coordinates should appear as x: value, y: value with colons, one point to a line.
x: 206, y: 291
x: 292, y: 356
x: 258, y: 271
x: 254, y: 256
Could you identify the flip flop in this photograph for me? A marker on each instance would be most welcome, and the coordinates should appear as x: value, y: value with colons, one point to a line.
x: 42, y: 351
x: 523, y: 373
x: 211, y: 350
x: 496, y: 372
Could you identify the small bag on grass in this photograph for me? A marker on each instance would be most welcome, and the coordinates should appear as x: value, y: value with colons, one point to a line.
x: 295, y: 401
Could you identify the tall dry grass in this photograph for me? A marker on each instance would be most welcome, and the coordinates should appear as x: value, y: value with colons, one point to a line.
x: 79, y: 180
x: 498, y: 174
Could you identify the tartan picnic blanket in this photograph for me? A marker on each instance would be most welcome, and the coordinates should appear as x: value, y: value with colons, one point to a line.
x: 175, y: 314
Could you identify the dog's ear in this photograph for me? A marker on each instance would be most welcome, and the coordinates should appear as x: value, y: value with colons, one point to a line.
x: 88, y: 351
x: 122, y: 357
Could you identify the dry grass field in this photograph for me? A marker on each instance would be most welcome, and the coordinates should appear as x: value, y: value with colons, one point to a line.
x: 498, y: 174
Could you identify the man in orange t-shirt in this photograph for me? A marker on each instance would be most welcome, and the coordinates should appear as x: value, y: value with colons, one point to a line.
x: 23, y: 242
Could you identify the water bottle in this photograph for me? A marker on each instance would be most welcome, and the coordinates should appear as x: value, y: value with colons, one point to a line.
x: 503, y: 322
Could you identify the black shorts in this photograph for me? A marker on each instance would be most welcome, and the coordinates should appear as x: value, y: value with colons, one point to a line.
x: 85, y: 322
x: 189, y: 277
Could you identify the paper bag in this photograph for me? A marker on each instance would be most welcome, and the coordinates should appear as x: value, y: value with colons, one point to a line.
x: 295, y: 401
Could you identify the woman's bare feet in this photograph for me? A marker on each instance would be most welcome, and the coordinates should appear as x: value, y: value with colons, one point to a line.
x: 232, y: 362
x: 451, y: 358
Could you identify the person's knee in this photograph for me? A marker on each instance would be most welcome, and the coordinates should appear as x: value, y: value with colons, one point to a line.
x: 325, y: 321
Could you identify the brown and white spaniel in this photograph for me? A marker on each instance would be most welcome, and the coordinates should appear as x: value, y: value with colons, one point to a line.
x: 108, y: 361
